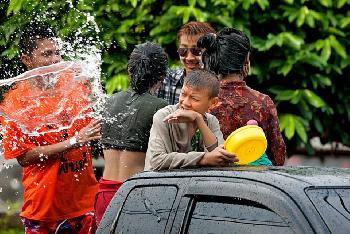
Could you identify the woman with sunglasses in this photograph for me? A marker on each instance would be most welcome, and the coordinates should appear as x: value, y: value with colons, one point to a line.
x: 190, y: 56
x: 227, y: 54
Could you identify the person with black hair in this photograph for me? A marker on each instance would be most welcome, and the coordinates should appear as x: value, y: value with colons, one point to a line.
x: 128, y: 119
x: 58, y: 178
x: 185, y: 135
x: 38, y: 46
x: 227, y: 54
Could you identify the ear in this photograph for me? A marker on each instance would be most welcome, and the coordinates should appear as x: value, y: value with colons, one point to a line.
x: 213, y: 102
x: 247, y: 60
x: 26, y: 60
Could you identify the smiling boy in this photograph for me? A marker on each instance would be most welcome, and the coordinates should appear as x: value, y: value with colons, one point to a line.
x: 185, y: 135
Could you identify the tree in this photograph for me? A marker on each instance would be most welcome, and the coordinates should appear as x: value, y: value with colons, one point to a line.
x: 300, y: 48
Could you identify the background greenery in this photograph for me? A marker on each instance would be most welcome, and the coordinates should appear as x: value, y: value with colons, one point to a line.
x: 300, y: 48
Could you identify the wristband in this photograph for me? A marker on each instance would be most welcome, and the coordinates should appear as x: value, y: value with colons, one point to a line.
x: 72, y: 141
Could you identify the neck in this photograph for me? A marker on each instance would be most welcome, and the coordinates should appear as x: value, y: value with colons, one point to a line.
x: 155, y: 88
x: 233, y: 77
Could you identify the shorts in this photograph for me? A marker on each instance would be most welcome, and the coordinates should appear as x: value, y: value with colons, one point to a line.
x: 105, y: 193
x: 79, y: 225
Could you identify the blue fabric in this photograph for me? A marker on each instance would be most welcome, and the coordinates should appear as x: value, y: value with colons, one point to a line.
x: 262, y: 161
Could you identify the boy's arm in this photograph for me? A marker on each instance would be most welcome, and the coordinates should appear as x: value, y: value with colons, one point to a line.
x: 214, y: 127
x: 210, y: 134
x: 160, y: 153
x: 209, y: 139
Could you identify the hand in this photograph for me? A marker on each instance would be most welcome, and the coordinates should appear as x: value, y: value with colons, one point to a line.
x: 90, y: 132
x: 182, y: 116
x: 218, y: 158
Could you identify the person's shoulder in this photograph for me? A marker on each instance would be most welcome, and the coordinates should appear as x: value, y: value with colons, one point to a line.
x: 174, y: 73
x: 259, y: 94
x: 115, y: 98
x: 210, y: 118
x: 156, y: 101
x: 165, y: 111
x: 175, y: 70
x: 118, y: 94
x: 265, y: 99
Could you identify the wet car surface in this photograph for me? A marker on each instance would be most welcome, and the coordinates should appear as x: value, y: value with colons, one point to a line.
x: 232, y: 200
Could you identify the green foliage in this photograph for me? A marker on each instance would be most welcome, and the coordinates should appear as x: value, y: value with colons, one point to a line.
x: 300, y: 48
x: 10, y: 221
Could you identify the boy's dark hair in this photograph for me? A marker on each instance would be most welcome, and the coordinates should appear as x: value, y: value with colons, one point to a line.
x: 194, y: 28
x: 32, y: 33
x: 147, y: 65
x: 203, y: 79
x: 225, y: 52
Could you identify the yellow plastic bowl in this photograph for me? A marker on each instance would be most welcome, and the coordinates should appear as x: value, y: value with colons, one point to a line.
x: 248, y: 143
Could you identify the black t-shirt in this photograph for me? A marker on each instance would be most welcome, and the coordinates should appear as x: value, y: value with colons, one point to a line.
x: 128, y: 119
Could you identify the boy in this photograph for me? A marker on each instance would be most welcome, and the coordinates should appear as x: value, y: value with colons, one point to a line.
x: 58, y: 178
x: 184, y: 135
x: 190, y: 56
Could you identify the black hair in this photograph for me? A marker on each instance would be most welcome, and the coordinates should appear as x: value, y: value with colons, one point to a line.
x: 33, y: 32
x: 203, y: 79
x: 147, y: 65
x: 225, y: 52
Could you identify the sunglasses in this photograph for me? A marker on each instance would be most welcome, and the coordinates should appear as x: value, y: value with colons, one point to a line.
x: 196, y: 51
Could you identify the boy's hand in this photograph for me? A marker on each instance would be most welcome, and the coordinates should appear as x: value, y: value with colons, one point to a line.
x: 218, y: 158
x: 182, y: 116
x: 90, y: 132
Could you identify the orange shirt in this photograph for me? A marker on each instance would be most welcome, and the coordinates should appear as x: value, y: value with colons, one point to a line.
x: 56, y: 189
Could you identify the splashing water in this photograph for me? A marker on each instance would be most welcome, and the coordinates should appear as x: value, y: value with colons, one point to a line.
x: 54, y: 95
x: 77, y: 79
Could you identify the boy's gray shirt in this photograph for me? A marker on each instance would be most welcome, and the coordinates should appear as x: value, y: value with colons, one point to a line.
x: 169, y: 145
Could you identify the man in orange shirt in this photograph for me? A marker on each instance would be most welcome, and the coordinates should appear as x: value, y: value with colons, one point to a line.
x: 50, y: 140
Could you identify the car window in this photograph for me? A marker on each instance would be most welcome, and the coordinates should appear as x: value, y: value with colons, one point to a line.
x: 213, y: 214
x: 333, y: 204
x: 146, y: 210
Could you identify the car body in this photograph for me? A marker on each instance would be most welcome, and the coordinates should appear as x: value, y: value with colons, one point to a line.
x: 242, y: 199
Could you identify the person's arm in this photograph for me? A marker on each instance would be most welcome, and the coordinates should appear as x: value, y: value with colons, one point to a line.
x: 217, y: 155
x: 161, y: 153
x: 189, y: 116
x: 276, y: 145
x: 208, y: 136
x: 51, y: 152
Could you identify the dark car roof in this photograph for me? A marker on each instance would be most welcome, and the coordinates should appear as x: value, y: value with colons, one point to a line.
x: 277, y: 184
x: 305, y: 176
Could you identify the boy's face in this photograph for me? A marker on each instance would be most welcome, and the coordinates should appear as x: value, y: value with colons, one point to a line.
x: 196, y: 99
x: 45, y: 54
x: 189, y: 60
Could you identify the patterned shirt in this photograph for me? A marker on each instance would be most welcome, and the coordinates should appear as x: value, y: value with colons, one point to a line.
x: 171, y: 87
x: 238, y: 104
